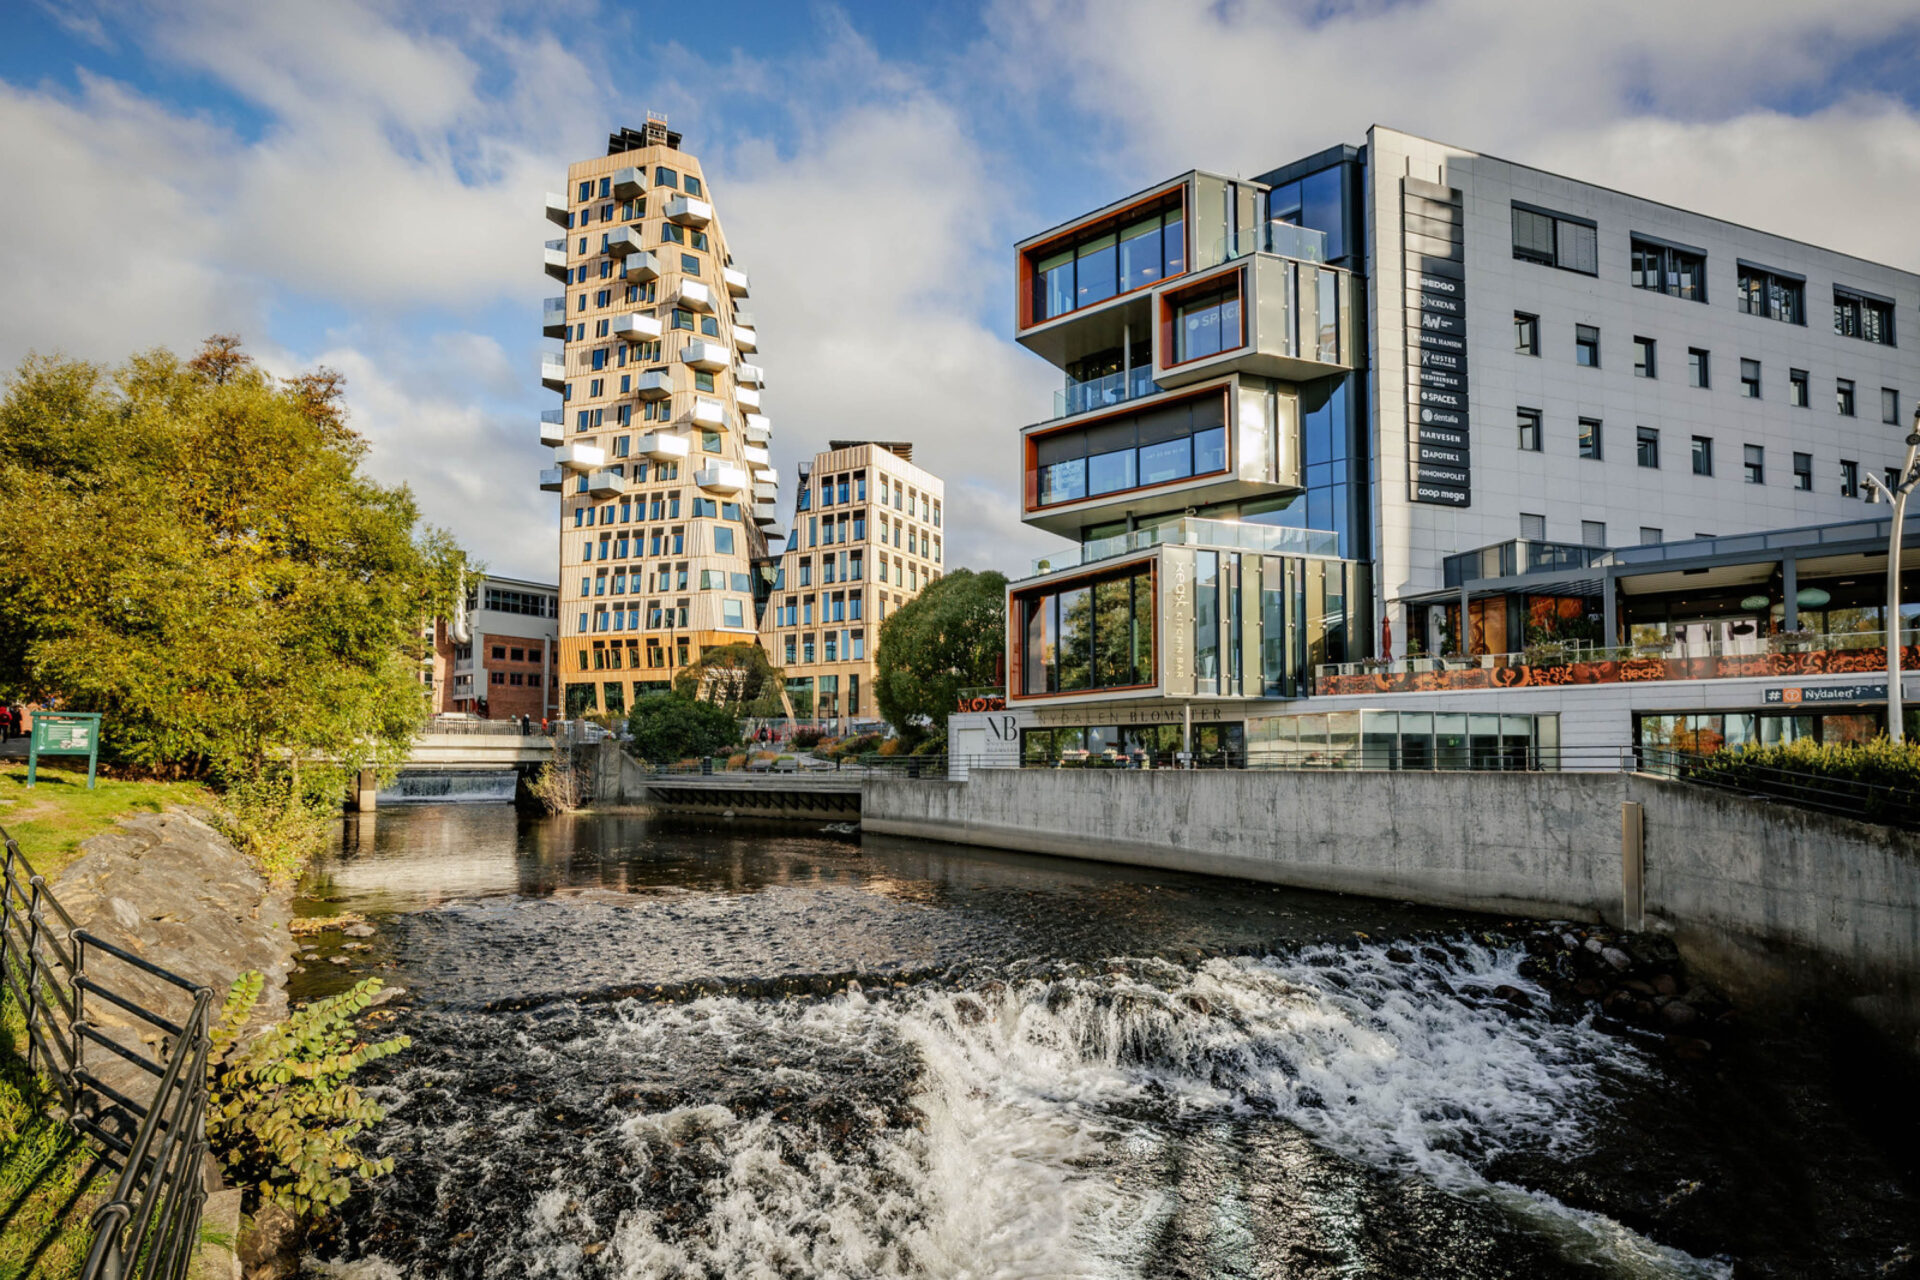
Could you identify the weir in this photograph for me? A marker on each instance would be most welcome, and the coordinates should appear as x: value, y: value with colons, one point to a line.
x: 451, y: 786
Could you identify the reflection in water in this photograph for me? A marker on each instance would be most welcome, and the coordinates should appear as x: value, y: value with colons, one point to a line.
x: 648, y: 1048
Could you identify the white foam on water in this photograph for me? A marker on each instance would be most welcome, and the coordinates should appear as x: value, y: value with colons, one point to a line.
x: 1041, y: 1101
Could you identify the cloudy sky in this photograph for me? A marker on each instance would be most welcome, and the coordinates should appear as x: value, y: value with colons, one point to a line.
x: 360, y: 184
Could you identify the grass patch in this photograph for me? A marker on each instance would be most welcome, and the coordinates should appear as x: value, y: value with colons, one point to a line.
x: 53, y: 819
x: 50, y: 1180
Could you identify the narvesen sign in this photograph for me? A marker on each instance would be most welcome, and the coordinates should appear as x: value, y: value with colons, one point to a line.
x: 1439, y: 465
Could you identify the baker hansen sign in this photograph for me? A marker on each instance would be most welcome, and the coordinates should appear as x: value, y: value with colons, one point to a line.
x: 1439, y: 465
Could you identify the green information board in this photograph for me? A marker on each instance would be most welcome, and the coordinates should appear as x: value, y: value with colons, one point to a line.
x: 64, y: 733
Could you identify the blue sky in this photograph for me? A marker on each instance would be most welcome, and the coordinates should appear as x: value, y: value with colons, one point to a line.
x: 360, y: 184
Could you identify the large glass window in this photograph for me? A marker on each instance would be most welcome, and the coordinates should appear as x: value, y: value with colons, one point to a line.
x: 1089, y: 635
x: 1106, y: 259
x: 1665, y: 269
x: 1770, y: 294
x: 1555, y: 240
x: 1856, y: 316
x: 1161, y: 445
x: 1208, y: 323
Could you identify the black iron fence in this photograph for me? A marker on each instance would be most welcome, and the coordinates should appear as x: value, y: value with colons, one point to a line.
x: 152, y: 1135
x: 1883, y: 803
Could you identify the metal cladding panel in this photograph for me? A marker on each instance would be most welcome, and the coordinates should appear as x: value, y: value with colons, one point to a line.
x: 1176, y: 622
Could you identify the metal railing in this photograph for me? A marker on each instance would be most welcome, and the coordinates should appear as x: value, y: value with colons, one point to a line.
x: 150, y: 1223
x: 1888, y: 805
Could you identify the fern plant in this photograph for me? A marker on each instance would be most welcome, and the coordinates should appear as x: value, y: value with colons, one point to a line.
x: 282, y: 1114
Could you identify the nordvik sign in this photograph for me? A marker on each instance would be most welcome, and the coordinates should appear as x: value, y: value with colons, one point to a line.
x: 1439, y: 465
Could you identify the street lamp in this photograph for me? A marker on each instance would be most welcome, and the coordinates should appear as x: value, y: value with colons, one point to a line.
x: 1909, y: 479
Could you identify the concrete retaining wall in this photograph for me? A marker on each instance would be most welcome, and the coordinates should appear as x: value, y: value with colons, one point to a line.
x: 1766, y: 899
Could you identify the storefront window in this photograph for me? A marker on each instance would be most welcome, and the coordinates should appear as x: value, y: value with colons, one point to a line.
x: 1095, y: 635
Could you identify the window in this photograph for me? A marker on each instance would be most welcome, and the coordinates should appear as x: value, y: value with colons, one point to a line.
x: 1843, y: 396
x: 1586, y: 346
x: 1590, y: 438
x: 1529, y: 430
x: 689, y: 265
x: 1890, y: 406
x: 682, y: 320
x: 1106, y: 259
x: 1776, y: 295
x: 1669, y: 269
x: 1097, y: 634
x: 1643, y: 358
x: 1849, y: 478
x: 732, y: 613
x: 1699, y: 372
x: 710, y: 326
x: 1156, y: 446
x: 1555, y: 240
x: 1750, y: 379
x: 1651, y: 537
x: 1797, y: 388
x: 692, y: 185
x: 710, y: 443
x: 1533, y: 526
x: 1756, y: 463
x: 1646, y: 446
x: 665, y: 177
x: 1593, y: 533
x: 1803, y: 471
x: 1207, y: 323
x: 1703, y: 455
x: 1856, y: 315
x: 1526, y: 334
x: 723, y: 540
x: 702, y: 380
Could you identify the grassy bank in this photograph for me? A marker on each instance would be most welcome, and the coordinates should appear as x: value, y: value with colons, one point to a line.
x: 53, y: 819
x: 50, y: 1181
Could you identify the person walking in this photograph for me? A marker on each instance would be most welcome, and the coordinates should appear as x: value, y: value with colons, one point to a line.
x: 6, y: 722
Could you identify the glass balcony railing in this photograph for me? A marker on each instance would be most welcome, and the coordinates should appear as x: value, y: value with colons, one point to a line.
x: 1226, y: 535
x: 1516, y: 558
x: 1281, y: 238
x: 1098, y: 393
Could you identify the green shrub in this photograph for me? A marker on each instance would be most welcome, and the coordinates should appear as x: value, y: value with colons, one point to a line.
x: 277, y: 820
x: 807, y: 739
x: 282, y: 1116
x: 1880, y: 777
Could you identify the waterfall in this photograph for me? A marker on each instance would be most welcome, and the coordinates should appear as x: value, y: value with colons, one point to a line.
x: 450, y: 786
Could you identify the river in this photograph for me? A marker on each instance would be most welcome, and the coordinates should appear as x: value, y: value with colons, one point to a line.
x: 661, y: 1048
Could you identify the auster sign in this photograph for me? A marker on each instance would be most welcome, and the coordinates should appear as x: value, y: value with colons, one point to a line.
x: 1434, y: 260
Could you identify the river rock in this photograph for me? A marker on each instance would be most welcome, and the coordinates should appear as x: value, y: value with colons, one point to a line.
x: 1666, y: 984
x: 1678, y: 1013
x: 201, y: 910
x: 361, y: 930
x: 1617, y: 958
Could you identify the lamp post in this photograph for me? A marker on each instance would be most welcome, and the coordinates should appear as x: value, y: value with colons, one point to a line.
x: 1898, y: 495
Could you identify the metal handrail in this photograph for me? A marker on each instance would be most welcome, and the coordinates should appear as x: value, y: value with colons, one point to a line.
x: 149, y: 1225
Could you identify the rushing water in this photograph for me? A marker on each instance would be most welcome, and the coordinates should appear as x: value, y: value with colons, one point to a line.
x: 646, y: 1048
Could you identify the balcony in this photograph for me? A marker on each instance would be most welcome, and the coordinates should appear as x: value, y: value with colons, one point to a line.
x: 742, y: 316
x: 553, y: 318
x: 751, y: 375
x: 622, y: 241
x: 708, y: 357
x: 640, y: 267
x: 629, y: 182
x: 553, y: 372
x: 1226, y: 535
x: 1555, y: 666
x: 766, y: 514
x: 708, y: 415
x: 667, y: 446
x: 735, y: 280
x: 654, y: 384
x: 556, y: 259
x: 768, y: 474
x: 554, y: 433
x: 747, y: 398
x: 606, y: 484
x: 551, y: 479
x: 756, y: 457
x: 746, y: 340
x: 636, y: 328
x: 1284, y: 239
x: 765, y: 490
x: 1102, y: 393
x: 558, y: 210
x: 695, y: 296
x: 759, y: 428
x: 1518, y: 558
x: 721, y: 477
x: 1265, y: 315
x: 580, y: 457
x: 689, y: 212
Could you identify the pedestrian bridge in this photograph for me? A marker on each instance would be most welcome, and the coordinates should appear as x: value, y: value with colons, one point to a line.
x: 470, y: 750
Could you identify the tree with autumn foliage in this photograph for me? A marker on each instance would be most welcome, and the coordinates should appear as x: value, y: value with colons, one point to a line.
x: 191, y: 548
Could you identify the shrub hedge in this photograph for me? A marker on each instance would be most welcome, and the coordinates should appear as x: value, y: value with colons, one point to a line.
x: 1881, y: 777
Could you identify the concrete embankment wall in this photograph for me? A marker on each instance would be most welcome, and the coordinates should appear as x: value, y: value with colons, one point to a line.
x: 1764, y: 898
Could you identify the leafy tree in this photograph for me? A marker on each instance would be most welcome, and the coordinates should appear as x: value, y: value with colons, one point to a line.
x: 672, y: 726
x: 949, y: 637
x: 734, y: 676
x: 191, y: 548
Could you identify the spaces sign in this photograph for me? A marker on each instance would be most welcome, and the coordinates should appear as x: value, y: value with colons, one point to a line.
x: 1432, y: 220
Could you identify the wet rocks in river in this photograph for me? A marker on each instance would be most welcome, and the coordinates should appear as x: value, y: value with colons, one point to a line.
x: 1637, y: 980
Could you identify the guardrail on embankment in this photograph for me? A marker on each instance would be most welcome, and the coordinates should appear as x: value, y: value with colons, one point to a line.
x: 154, y: 1138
